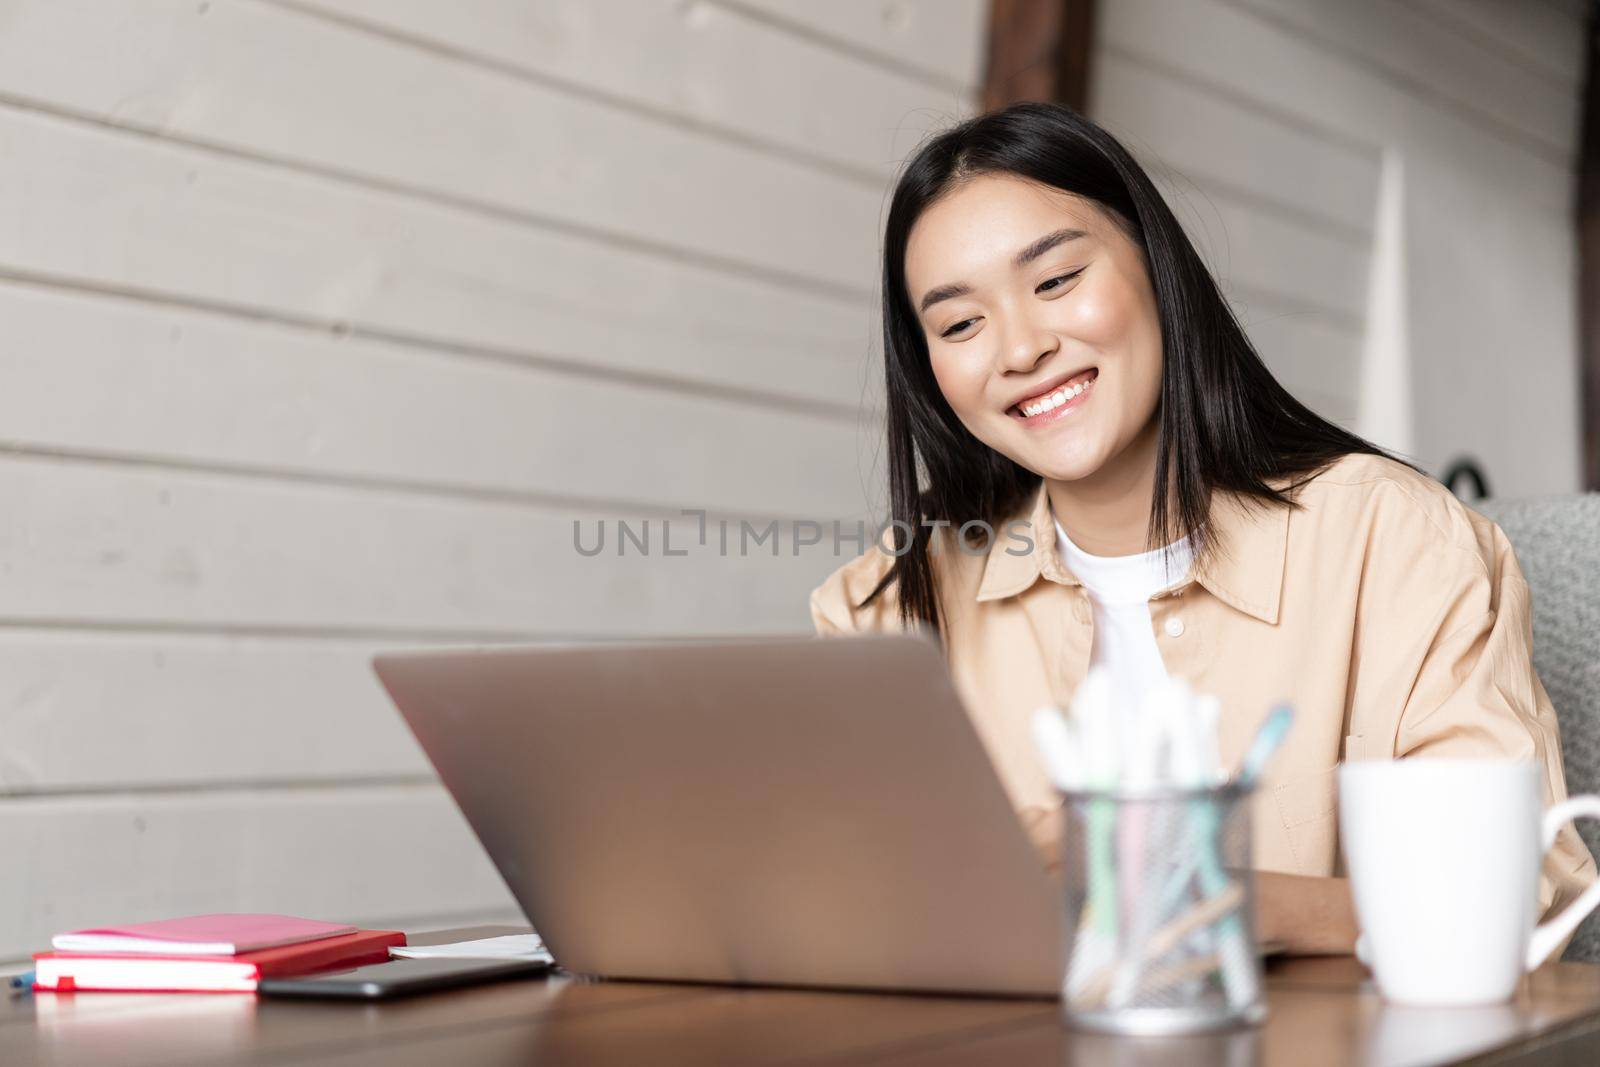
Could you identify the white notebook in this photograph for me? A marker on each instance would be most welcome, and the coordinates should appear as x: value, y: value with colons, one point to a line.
x: 507, y: 947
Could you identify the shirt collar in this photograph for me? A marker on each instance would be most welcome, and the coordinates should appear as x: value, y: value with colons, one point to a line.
x: 1245, y: 571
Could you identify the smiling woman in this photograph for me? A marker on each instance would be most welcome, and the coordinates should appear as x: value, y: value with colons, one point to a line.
x: 1017, y: 348
x: 1060, y: 361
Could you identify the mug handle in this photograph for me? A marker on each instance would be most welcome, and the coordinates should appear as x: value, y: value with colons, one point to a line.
x: 1548, y: 934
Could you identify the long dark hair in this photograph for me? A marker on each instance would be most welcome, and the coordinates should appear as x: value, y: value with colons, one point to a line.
x: 1225, y: 421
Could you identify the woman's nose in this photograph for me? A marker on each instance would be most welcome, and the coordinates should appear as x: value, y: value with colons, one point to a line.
x: 1024, y: 346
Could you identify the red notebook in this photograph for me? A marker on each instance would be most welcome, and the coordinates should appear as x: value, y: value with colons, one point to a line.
x: 227, y: 934
x: 68, y: 971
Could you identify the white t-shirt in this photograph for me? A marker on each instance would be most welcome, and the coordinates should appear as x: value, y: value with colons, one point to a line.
x: 1120, y: 588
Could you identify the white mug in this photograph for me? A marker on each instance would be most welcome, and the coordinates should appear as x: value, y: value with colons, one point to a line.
x: 1444, y: 858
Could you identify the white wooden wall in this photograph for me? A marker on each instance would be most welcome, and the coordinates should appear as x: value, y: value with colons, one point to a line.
x: 323, y: 321
x: 1385, y: 189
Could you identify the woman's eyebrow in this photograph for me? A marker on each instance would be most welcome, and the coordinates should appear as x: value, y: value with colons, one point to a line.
x: 1022, y: 259
x: 943, y: 292
x: 1046, y: 243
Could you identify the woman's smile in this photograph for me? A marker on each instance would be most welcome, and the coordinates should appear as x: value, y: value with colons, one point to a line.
x: 1058, y: 398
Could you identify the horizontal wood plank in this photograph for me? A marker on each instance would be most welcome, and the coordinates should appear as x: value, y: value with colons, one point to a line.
x: 106, y: 544
x: 339, y: 854
x: 138, y: 711
x: 1538, y: 35
x: 703, y: 63
x: 1574, y: 10
x: 1247, y: 246
x: 1288, y: 75
x: 172, y: 384
x: 1414, y: 51
x: 215, y: 73
x: 176, y: 223
x: 1310, y: 355
x: 1182, y: 125
x: 944, y: 39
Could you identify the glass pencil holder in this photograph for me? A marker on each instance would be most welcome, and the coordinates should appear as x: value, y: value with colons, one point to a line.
x: 1159, y: 926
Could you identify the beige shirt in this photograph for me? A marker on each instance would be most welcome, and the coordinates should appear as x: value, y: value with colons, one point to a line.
x: 1393, y: 618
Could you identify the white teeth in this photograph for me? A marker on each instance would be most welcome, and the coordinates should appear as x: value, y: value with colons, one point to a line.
x: 1054, y: 400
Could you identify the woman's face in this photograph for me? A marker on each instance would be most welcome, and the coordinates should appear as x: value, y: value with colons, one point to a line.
x: 1041, y: 323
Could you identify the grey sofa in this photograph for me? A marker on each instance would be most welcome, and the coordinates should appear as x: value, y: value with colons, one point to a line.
x: 1557, y: 541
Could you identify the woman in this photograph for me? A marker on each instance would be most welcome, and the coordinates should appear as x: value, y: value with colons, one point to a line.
x: 1063, y: 371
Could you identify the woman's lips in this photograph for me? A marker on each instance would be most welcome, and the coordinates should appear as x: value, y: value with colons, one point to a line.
x: 1082, y: 387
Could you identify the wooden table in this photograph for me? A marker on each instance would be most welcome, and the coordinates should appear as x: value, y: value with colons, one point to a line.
x: 1321, y: 1012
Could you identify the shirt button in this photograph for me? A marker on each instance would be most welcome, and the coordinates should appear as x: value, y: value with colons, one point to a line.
x: 1174, y: 627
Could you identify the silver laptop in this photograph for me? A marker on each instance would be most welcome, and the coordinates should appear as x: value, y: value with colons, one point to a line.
x: 789, y: 811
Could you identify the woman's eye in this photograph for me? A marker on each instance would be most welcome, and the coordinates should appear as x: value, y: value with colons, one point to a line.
x: 1049, y: 285
x: 1056, y: 283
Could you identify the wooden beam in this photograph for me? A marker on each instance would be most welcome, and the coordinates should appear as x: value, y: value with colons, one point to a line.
x: 1589, y: 254
x: 1039, y: 50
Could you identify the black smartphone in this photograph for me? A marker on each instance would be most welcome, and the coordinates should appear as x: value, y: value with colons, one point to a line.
x: 399, y: 977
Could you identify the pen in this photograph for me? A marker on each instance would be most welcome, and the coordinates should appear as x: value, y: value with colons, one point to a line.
x: 1056, y: 738
x: 1095, y: 730
x: 22, y: 984
x: 1269, y: 738
x: 1274, y: 728
x: 1143, y: 740
x: 1190, y: 766
x: 1091, y: 707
